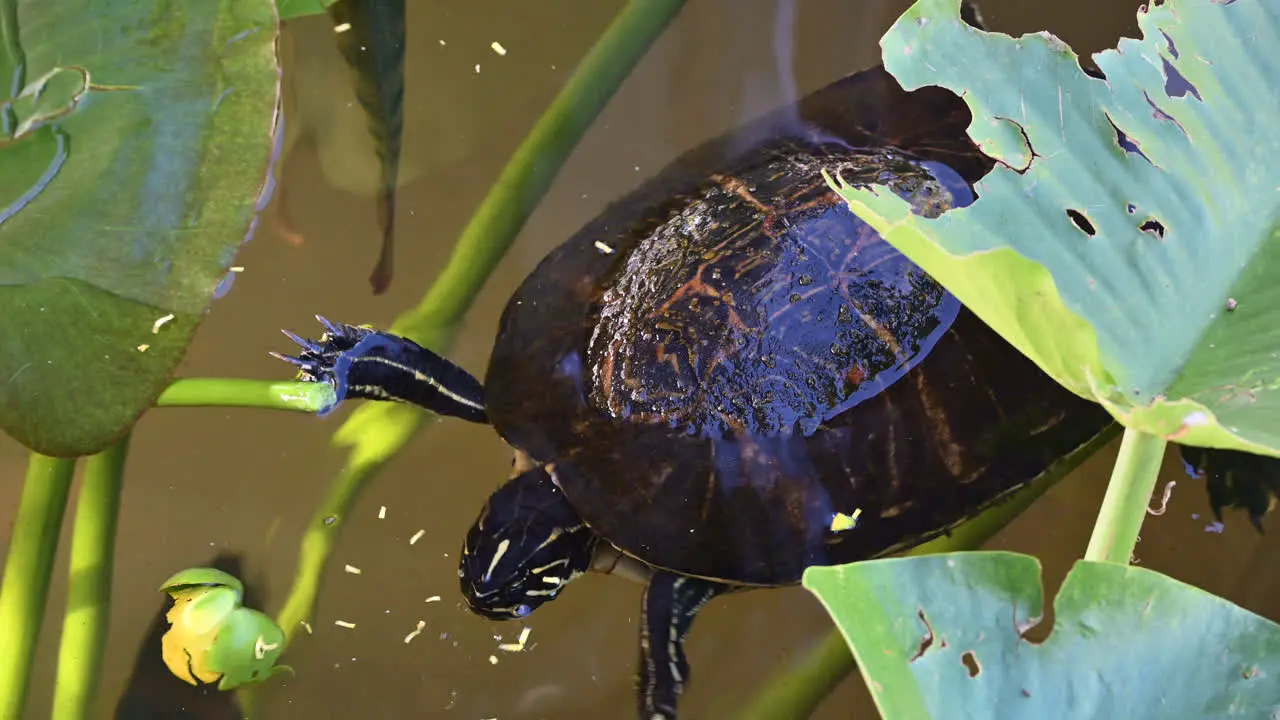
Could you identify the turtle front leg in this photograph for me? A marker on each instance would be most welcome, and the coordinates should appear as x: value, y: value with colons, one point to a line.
x: 365, y: 363
x: 670, y: 604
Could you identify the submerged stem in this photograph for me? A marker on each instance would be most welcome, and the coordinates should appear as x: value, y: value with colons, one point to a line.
x: 240, y: 392
x: 529, y: 173
x: 799, y: 691
x: 33, y: 546
x: 1128, y: 493
x: 84, y: 629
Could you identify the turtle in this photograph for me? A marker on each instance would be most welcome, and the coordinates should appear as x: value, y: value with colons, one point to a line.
x: 727, y: 377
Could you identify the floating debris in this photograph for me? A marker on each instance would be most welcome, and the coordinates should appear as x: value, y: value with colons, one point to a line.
x: 352, y: 569
x: 416, y: 537
x: 497, y: 47
x: 604, y: 248
x: 306, y: 626
x: 345, y: 624
x: 416, y: 632
x: 341, y: 27
x: 477, y: 68
x: 519, y: 645
x: 236, y: 268
x: 159, y: 323
x: 841, y: 522
x: 143, y: 347
x: 1164, y: 502
x: 433, y: 598
x: 493, y: 659
x: 382, y: 512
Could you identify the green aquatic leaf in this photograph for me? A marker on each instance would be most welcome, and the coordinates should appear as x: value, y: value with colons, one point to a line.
x: 136, y: 140
x: 212, y: 638
x: 1128, y: 240
x: 212, y: 577
x: 941, y: 636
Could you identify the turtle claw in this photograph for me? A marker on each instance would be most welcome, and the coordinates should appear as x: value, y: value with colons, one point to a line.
x: 324, y: 360
x: 311, y: 345
x: 289, y: 359
x: 332, y: 328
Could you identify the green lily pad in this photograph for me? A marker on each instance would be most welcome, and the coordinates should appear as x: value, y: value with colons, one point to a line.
x: 1129, y: 238
x: 941, y: 636
x: 136, y: 140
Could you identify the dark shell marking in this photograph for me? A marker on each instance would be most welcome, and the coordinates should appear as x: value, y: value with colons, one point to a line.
x: 764, y: 305
x: 745, y: 485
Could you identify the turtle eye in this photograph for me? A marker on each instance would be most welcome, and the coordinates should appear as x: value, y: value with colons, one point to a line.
x: 521, y: 610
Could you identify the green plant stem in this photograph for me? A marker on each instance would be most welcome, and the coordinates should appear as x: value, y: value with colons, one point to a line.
x: 239, y: 392
x: 376, y: 432
x: 806, y: 685
x: 84, y: 629
x: 13, y: 60
x: 799, y: 691
x: 530, y: 171
x: 33, y: 545
x: 1124, y: 507
x: 493, y: 228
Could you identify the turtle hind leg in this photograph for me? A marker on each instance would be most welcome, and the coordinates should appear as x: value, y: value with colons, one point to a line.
x: 370, y: 364
x: 670, y: 604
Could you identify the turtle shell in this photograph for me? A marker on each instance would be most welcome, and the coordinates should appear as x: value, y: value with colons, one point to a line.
x: 728, y: 359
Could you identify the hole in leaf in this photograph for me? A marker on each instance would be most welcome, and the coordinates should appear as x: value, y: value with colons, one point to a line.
x: 1153, y: 227
x: 972, y: 17
x: 1090, y: 69
x: 1175, y: 85
x: 1125, y: 142
x: 927, y: 641
x: 1026, y: 140
x: 1159, y: 114
x: 1131, y: 208
x: 971, y: 663
x: 1081, y: 222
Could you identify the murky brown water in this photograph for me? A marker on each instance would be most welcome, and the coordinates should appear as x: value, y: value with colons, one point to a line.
x: 201, y: 480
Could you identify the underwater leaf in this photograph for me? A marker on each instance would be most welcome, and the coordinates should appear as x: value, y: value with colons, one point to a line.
x: 373, y: 47
x: 136, y: 142
x: 1128, y: 238
x: 941, y: 636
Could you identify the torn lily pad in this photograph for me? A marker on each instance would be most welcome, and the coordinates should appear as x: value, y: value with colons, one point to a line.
x: 945, y: 636
x: 1129, y: 236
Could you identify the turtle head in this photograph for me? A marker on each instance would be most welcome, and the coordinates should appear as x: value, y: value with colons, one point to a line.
x: 527, y: 544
